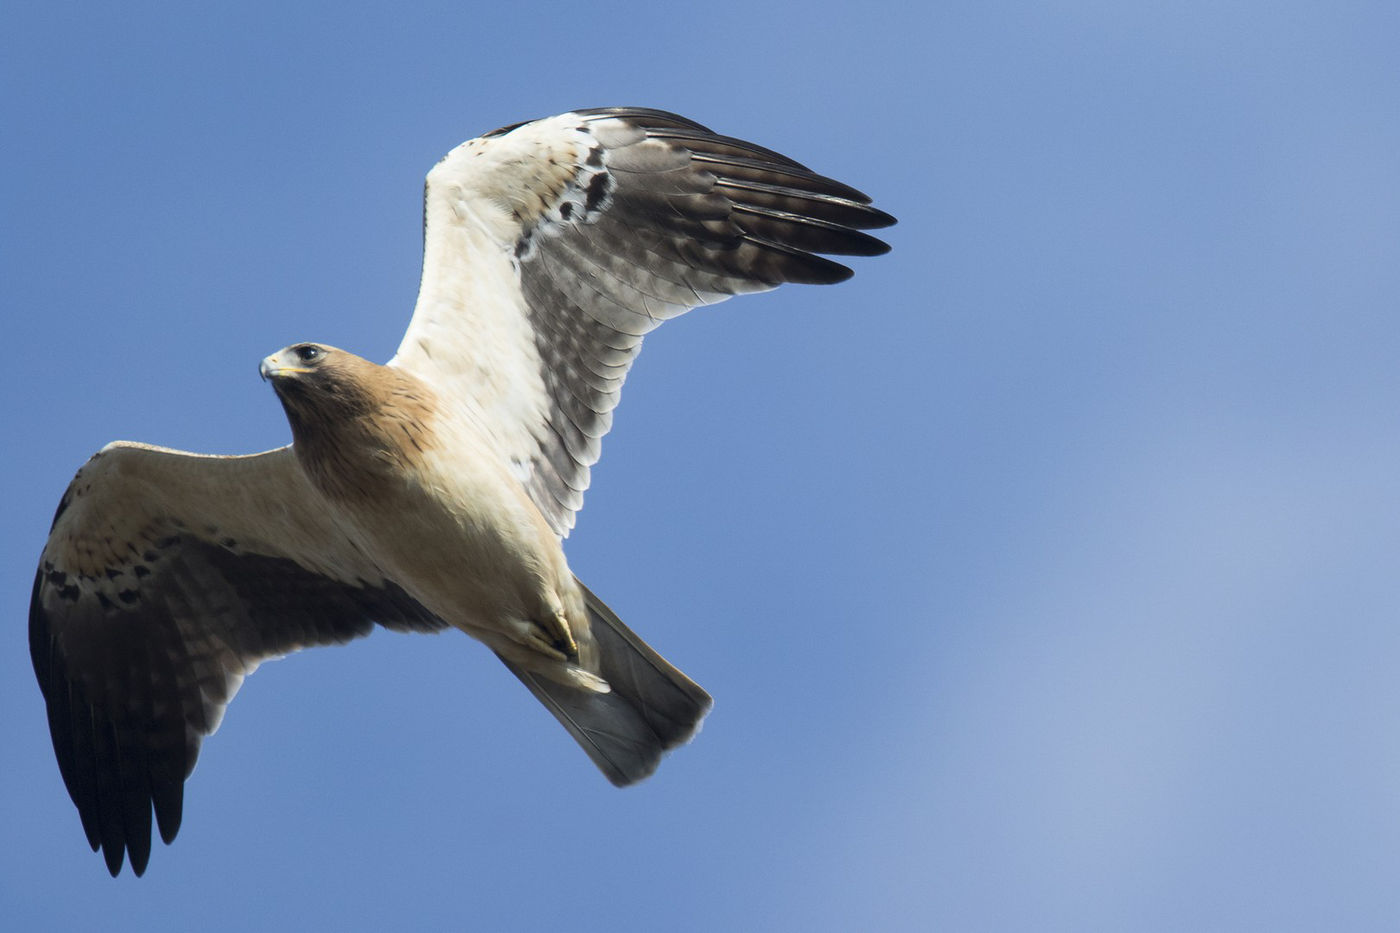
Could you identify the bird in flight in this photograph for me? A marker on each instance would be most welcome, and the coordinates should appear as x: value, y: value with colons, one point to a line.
x: 434, y: 491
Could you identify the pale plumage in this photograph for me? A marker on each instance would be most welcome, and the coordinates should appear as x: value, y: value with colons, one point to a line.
x: 432, y: 492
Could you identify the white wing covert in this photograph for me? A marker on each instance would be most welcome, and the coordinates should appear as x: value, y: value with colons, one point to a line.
x: 551, y: 248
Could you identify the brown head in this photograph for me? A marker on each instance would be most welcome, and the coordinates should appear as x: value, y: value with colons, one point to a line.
x: 348, y: 414
x: 317, y: 383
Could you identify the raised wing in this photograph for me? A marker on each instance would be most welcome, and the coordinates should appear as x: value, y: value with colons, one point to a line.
x: 551, y: 248
x: 166, y: 578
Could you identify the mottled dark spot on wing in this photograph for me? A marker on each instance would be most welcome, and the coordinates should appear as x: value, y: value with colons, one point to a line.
x: 596, y: 191
x: 674, y: 216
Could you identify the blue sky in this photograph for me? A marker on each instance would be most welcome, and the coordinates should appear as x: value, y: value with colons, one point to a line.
x: 1045, y: 574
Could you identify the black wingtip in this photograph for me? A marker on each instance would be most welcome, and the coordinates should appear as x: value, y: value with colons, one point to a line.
x: 138, y: 850
x: 878, y: 218
x: 113, y: 855
x: 169, y: 800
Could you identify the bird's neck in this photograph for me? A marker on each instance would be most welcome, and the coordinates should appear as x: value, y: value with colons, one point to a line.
x: 360, y: 448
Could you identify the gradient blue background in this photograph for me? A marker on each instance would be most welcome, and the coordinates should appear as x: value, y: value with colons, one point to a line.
x: 1045, y: 574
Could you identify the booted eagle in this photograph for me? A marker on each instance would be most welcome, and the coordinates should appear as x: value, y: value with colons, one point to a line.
x: 434, y: 491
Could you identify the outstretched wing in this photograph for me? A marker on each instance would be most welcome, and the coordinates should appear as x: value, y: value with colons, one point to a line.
x: 551, y: 248
x: 166, y: 578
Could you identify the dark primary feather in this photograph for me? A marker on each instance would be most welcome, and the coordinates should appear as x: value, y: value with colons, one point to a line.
x: 691, y: 217
x: 136, y: 664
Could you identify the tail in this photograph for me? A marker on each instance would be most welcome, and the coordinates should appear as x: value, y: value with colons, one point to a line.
x: 652, y: 707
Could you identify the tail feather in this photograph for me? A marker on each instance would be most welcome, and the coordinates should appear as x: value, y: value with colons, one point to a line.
x: 650, y: 709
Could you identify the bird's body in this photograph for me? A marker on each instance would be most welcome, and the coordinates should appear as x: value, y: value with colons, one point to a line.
x: 434, y: 491
x: 390, y: 461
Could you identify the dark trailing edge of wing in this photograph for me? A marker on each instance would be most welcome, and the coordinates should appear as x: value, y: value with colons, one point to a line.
x: 127, y: 711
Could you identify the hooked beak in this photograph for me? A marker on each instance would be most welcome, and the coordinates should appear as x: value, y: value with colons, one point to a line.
x: 277, y: 365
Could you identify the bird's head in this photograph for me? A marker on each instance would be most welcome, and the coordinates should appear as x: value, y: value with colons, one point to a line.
x: 343, y: 406
x: 314, y: 380
x: 300, y: 359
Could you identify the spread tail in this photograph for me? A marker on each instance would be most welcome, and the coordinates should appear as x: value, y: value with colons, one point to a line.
x: 651, y: 708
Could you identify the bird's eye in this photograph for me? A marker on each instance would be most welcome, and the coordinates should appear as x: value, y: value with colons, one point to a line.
x: 307, y: 353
